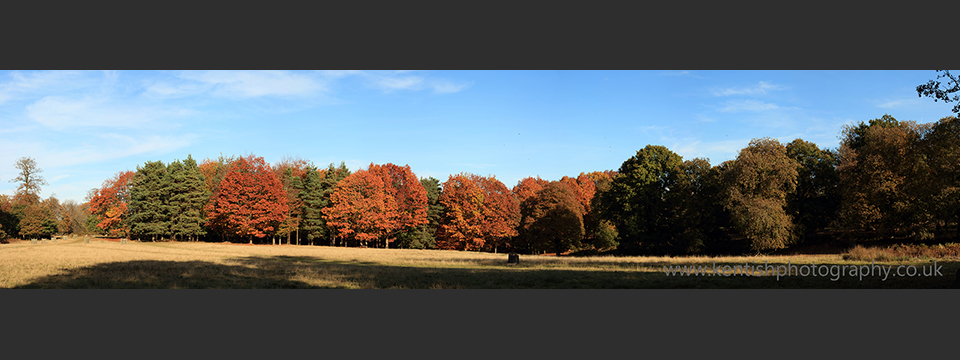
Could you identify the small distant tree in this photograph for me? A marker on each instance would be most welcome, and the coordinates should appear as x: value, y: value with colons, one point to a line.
x: 28, y: 192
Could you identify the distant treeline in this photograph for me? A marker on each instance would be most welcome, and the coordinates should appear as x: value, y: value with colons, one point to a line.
x: 888, y: 179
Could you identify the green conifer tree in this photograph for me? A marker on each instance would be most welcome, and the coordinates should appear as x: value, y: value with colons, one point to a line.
x: 148, y: 202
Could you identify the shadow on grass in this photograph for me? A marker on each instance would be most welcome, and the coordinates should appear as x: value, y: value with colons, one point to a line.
x: 150, y: 274
x: 289, y: 272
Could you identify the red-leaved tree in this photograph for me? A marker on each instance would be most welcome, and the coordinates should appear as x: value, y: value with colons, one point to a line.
x: 109, y: 204
x: 528, y: 186
x: 481, y: 213
x: 250, y: 201
x: 377, y: 204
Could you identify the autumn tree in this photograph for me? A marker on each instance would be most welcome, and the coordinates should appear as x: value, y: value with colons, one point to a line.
x: 250, y: 201
x: 409, y: 194
x: 377, y: 204
x: 331, y: 177
x: 74, y: 217
x: 884, y: 178
x: 480, y: 212
x: 187, y: 194
x: 943, y: 150
x: 527, y: 187
x: 814, y: 203
x: 109, y: 204
x: 55, y: 213
x: 423, y: 236
x: 604, y: 233
x: 757, y: 186
x: 360, y: 209
x: 28, y: 192
x: 148, y: 199
x: 37, y: 222
x: 8, y: 222
x: 291, y: 171
x: 551, y: 219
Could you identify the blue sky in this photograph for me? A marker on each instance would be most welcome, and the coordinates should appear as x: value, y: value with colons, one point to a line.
x: 84, y: 127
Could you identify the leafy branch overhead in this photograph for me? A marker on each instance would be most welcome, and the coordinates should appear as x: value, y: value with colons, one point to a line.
x: 940, y: 91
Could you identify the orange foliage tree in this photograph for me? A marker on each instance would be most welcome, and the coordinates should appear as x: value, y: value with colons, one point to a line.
x: 291, y: 172
x: 377, y: 204
x: 109, y: 204
x: 528, y: 186
x: 250, y: 201
x: 481, y: 213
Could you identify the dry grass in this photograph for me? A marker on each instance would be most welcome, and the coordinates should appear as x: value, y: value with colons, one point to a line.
x: 71, y: 263
x: 902, y: 252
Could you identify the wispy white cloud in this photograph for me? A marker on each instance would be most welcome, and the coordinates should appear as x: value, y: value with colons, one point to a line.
x: 96, y: 148
x: 63, y: 113
x: 249, y: 84
x: 748, y: 105
x: 442, y: 86
x: 21, y: 85
x: 897, y: 103
x: 390, y: 83
x: 761, y: 88
x: 401, y: 80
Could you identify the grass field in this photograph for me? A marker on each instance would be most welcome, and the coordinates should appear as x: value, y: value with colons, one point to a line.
x: 104, y: 263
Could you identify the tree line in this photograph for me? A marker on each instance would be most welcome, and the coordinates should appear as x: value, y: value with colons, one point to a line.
x: 887, y: 179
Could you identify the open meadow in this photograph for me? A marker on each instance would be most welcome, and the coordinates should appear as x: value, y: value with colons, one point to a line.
x: 72, y: 263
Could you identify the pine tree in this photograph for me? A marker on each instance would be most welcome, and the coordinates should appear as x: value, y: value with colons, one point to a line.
x: 148, y: 202
x: 187, y: 194
x: 313, y: 200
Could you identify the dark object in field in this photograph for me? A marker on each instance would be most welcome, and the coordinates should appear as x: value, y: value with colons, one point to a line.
x: 513, y: 258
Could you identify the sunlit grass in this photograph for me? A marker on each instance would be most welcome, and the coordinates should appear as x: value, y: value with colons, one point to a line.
x: 71, y: 263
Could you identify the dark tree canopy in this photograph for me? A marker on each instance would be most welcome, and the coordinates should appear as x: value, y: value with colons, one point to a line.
x: 551, y: 220
x: 643, y: 200
x: 814, y: 203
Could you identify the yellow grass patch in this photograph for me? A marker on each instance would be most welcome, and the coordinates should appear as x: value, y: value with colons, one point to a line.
x: 71, y: 263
